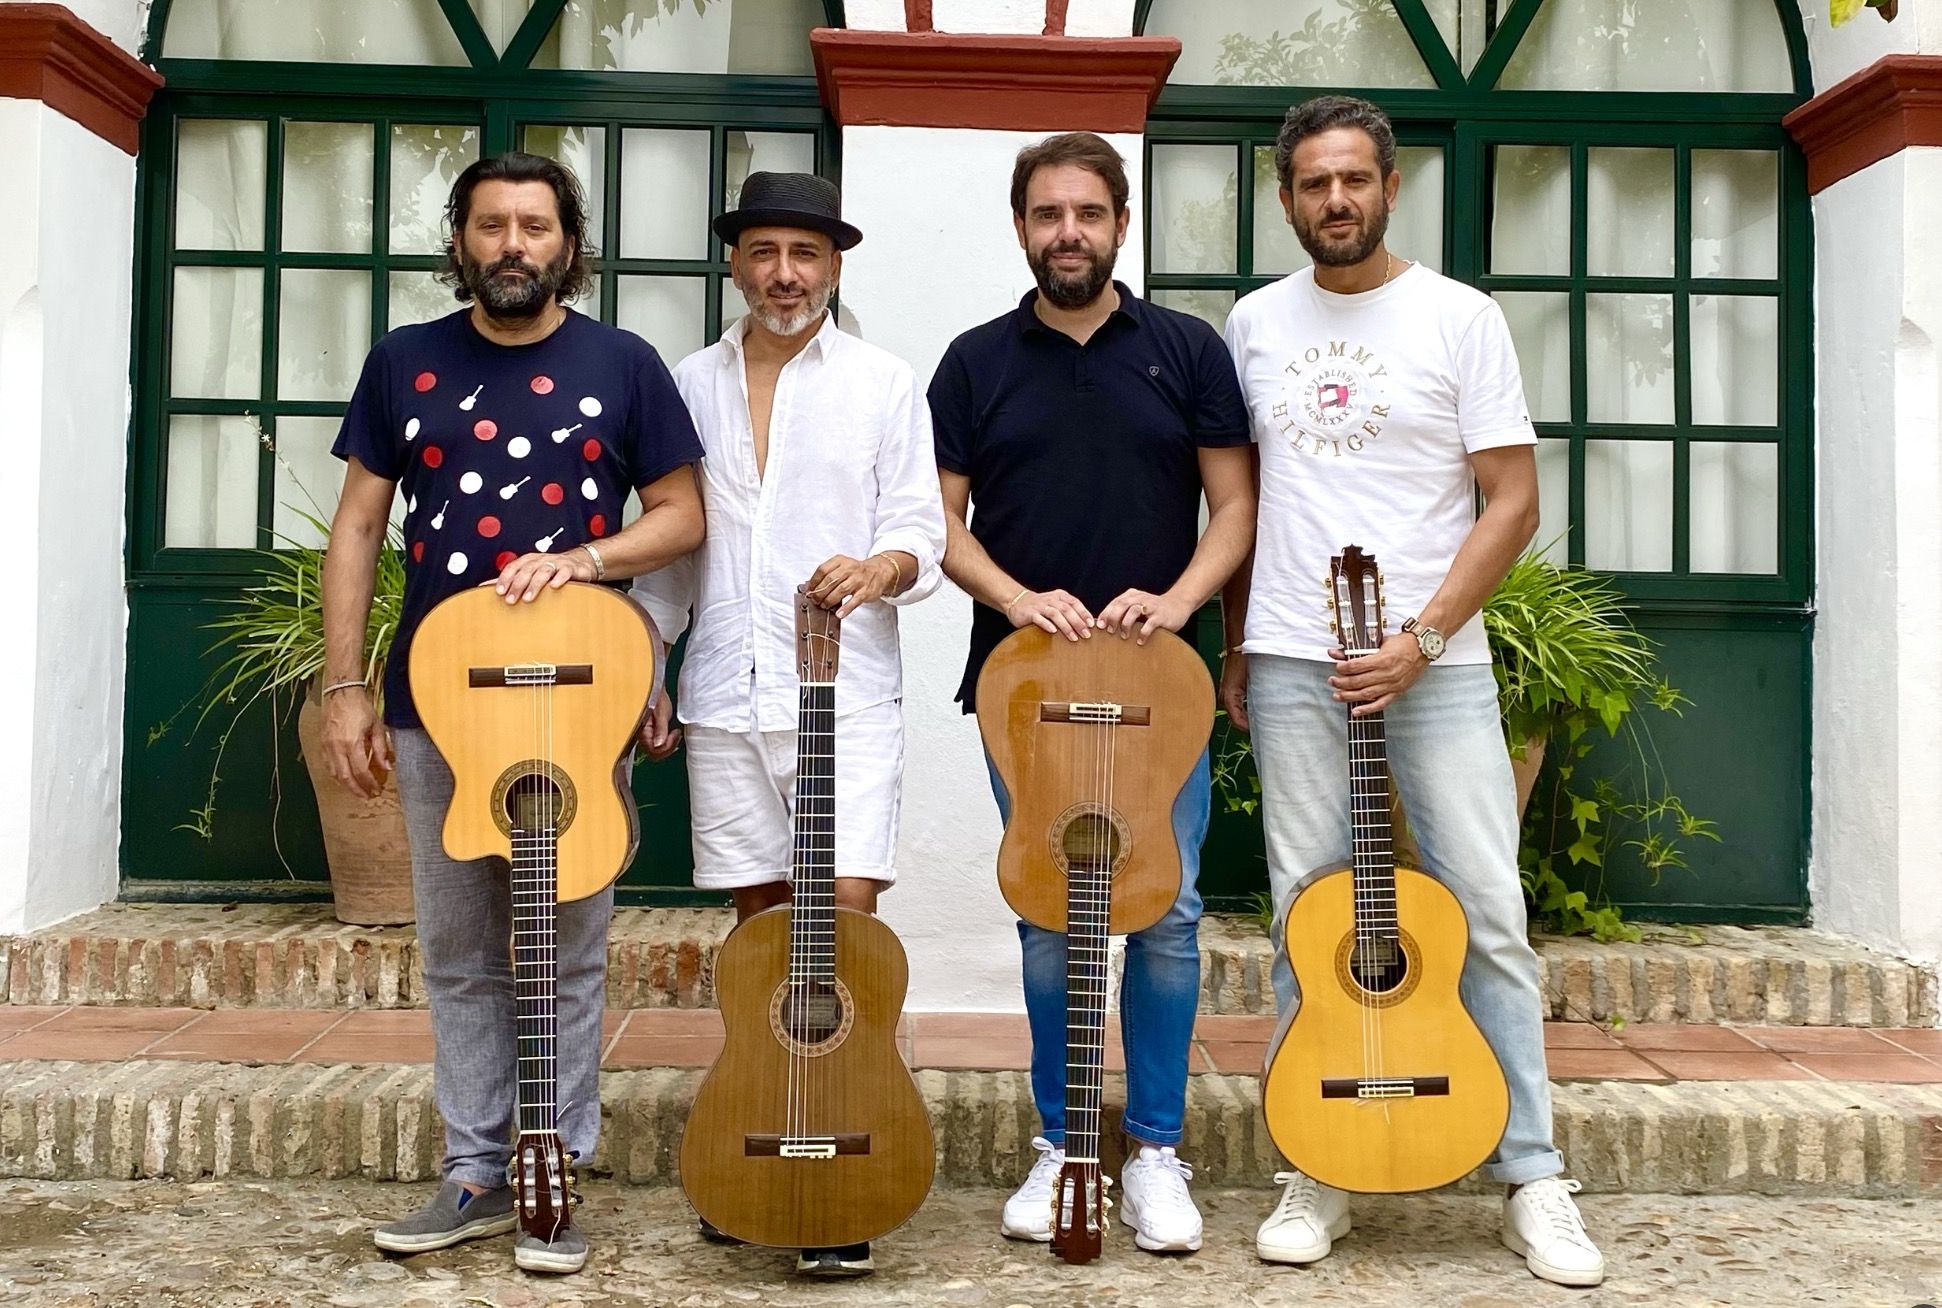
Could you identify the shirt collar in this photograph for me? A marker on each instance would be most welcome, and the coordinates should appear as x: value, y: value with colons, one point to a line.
x: 821, y: 343
x: 1132, y: 309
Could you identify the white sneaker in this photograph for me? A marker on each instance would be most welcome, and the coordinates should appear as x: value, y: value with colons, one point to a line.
x: 1307, y: 1222
x: 1542, y: 1223
x: 1155, y: 1203
x: 1028, y: 1213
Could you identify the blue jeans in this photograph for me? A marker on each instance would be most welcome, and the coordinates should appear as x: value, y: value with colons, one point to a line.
x: 1447, y: 755
x: 1158, y: 996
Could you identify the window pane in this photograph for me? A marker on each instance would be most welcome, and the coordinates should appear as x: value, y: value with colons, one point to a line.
x: 1736, y: 353
x: 583, y: 150
x: 1195, y: 209
x: 219, y: 184
x: 1531, y: 212
x: 323, y: 333
x: 725, y: 36
x: 1211, y: 307
x: 1665, y: 45
x: 216, y: 338
x: 1628, y: 505
x: 1554, y: 500
x: 1735, y: 507
x: 1295, y: 43
x: 1416, y: 227
x: 211, y: 499
x: 663, y: 194
x: 1736, y: 213
x: 1276, y: 249
x: 425, y: 161
x: 327, y: 171
x: 313, y: 31
x: 1540, y: 325
x: 501, y: 19
x: 417, y: 297
x: 307, y: 479
x: 669, y: 313
x: 1462, y: 24
x: 765, y: 152
x: 1628, y: 357
x: 1629, y: 214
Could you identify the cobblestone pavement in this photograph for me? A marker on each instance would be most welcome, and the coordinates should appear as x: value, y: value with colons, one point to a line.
x: 277, y: 1245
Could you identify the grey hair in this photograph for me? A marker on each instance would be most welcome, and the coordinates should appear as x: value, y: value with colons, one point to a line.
x: 1325, y: 113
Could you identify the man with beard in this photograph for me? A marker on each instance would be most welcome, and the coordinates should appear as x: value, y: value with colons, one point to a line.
x: 516, y: 429
x: 818, y: 470
x: 1383, y: 398
x: 1085, y: 425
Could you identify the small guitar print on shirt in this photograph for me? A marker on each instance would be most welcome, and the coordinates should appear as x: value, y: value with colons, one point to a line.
x: 507, y: 492
x: 561, y: 433
x: 438, y: 519
x: 545, y: 543
x: 471, y: 400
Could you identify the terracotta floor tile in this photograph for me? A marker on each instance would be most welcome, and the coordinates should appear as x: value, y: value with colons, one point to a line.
x: 18, y: 1017
x: 612, y: 1020
x: 386, y: 1021
x: 986, y: 1053
x: 664, y: 1051
x: 1897, y: 1066
x: 1576, y: 1035
x: 107, y: 1046
x: 1728, y: 1065
x: 1684, y: 1037
x: 1247, y: 1028
x: 1916, y: 1040
x: 1600, y: 1065
x: 341, y: 1046
x: 280, y: 1022
x: 674, y: 1022
x: 1241, y: 1057
x: 1817, y: 1039
x: 248, y: 1035
x: 154, y: 1020
x: 972, y: 1026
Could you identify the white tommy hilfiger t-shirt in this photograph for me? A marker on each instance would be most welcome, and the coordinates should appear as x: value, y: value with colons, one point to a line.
x: 1366, y: 409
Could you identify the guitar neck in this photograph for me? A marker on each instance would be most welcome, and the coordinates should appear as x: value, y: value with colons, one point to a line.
x: 812, y: 920
x: 1087, y: 910
x: 1371, y: 831
x: 535, y: 916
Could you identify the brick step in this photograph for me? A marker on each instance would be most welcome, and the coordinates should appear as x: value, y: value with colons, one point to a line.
x: 298, y: 956
x: 189, y: 1120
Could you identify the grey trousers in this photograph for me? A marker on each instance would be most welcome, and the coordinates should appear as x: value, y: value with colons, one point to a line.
x: 464, y: 941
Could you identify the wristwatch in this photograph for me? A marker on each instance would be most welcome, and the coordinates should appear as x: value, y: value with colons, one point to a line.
x: 1428, y: 639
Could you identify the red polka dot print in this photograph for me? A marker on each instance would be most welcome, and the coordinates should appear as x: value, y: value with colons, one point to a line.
x: 425, y: 382
x: 485, y: 429
x: 505, y: 557
x: 488, y: 526
x: 597, y: 524
x: 433, y: 456
x: 552, y: 492
x: 591, y: 450
x: 418, y: 551
x: 542, y: 385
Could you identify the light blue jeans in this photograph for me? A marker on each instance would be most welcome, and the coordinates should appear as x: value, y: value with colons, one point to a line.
x: 1447, y: 755
x: 1159, y: 991
x: 464, y: 942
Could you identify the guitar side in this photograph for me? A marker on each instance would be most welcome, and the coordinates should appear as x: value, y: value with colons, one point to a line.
x: 1377, y: 1145
x: 860, y: 1087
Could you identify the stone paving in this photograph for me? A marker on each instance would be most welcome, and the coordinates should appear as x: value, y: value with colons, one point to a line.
x: 283, y: 1244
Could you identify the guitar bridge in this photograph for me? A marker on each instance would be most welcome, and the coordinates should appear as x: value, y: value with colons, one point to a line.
x: 1097, y: 714
x: 531, y: 674
x: 1384, y: 1087
x: 841, y: 1144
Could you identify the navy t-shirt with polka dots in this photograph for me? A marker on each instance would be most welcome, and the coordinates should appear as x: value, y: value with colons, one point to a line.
x: 503, y: 450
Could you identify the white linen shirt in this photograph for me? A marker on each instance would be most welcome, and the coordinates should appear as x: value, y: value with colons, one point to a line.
x: 851, y: 470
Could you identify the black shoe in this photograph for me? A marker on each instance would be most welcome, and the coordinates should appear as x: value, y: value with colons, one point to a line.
x: 714, y: 1234
x: 849, y: 1260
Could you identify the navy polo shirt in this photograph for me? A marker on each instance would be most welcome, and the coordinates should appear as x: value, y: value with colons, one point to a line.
x: 1083, y: 459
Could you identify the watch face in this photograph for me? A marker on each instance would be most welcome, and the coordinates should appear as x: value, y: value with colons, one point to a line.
x: 1432, y: 643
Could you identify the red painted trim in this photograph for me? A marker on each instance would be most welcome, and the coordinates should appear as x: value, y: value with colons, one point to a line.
x: 1880, y: 111
x: 917, y: 15
x: 1055, y: 17
x: 48, y: 54
x: 1007, y: 83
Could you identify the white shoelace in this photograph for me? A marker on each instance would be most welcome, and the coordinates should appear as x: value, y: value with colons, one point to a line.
x: 1170, y: 1176
x: 1038, y: 1185
x: 1550, y: 1199
x: 1305, y: 1193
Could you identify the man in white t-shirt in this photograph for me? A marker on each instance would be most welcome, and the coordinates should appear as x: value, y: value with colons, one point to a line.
x: 1382, y: 397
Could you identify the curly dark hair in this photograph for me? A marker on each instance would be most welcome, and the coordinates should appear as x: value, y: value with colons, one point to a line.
x: 1079, y: 149
x: 1325, y: 113
x: 518, y: 167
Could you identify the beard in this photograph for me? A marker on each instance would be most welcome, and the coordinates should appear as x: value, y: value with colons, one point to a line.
x: 790, y: 324
x: 1073, y: 291
x: 513, y: 297
x: 1333, y: 253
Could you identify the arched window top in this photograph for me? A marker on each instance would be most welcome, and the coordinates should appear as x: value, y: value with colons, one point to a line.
x: 683, y: 36
x: 313, y: 31
x: 1278, y: 43
x: 1666, y: 45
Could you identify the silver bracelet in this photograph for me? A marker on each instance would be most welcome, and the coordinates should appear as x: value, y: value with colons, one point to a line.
x: 340, y: 685
x: 599, y: 564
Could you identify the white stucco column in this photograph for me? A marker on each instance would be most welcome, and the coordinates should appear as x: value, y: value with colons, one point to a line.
x: 65, y: 327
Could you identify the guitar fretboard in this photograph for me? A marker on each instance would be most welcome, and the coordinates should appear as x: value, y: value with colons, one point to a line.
x: 535, y: 945
x: 1088, y: 907
x: 812, y: 918
x: 1371, y: 832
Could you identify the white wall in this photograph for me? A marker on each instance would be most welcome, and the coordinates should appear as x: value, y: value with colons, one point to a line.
x: 121, y: 21
x: 939, y: 256
x: 1837, y: 52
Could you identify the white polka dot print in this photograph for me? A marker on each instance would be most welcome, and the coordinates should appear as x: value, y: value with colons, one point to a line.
x: 590, y: 407
x: 519, y: 447
x: 471, y: 482
x: 457, y: 564
x: 411, y: 429
x: 589, y: 489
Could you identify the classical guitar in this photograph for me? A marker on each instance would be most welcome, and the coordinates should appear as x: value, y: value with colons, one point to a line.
x: 809, y: 1131
x: 1093, y: 741
x: 534, y: 708
x: 1380, y: 1082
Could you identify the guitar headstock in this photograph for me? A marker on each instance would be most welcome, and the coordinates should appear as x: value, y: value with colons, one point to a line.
x: 1355, y: 601
x: 542, y: 1184
x: 817, y: 639
x: 1079, y: 1207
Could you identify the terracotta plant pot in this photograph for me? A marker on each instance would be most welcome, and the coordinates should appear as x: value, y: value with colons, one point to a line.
x: 1523, y: 772
x: 364, y: 839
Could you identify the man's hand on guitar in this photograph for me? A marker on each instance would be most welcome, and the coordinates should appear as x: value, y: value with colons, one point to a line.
x: 1233, y: 689
x: 1373, y: 682
x: 1055, y: 611
x: 659, y: 735
x: 356, y: 745
x: 529, y: 574
x: 845, y: 584
x: 1139, y: 613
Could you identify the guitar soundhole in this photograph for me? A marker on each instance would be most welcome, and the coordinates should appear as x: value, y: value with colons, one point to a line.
x: 1088, y: 836
x: 542, y: 788
x: 1379, y: 965
x: 811, y: 1017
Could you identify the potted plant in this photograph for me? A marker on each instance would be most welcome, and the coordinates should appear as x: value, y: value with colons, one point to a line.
x: 273, y: 642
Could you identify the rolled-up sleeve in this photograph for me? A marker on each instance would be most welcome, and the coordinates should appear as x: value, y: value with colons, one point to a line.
x: 910, y: 508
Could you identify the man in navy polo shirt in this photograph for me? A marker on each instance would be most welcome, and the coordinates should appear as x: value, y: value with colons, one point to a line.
x: 516, y: 430
x: 1085, y: 425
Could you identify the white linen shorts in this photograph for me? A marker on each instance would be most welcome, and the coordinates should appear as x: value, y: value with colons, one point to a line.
x: 742, y: 792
